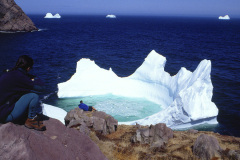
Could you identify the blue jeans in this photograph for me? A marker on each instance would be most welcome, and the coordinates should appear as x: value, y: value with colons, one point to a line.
x: 28, y: 103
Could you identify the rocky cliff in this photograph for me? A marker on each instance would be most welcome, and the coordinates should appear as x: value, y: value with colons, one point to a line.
x: 56, y: 143
x: 136, y: 142
x: 94, y: 135
x: 12, y: 18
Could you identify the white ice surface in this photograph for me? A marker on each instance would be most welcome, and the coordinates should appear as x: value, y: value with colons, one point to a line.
x: 226, y: 17
x: 184, y: 97
x: 54, y: 112
x: 49, y: 15
x: 111, y: 16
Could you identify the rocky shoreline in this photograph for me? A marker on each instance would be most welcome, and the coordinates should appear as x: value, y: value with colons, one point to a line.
x: 97, y: 135
x: 135, y: 142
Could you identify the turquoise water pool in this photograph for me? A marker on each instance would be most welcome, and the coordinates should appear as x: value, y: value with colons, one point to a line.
x: 121, y: 108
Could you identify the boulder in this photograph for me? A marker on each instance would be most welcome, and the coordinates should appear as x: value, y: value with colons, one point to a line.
x: 234, y: 155
x: 155, y: 135
x: 206, y: 147
x: 98, y: 120
x: 192, y: 131
x: 12, y: 18
x: 110, y: 124
x: 57, y: 142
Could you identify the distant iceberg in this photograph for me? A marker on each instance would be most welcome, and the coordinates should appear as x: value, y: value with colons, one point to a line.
x: 111, y: 16
x: 49, y: 15
x: 184, y: 97
x: 226, y: 17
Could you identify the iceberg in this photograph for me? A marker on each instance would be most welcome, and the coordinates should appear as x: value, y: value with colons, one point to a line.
x: 184, y: 97
x: 111, y: 16
x: 226, y: 17
x: 49, y: 15
x: 54, y: 112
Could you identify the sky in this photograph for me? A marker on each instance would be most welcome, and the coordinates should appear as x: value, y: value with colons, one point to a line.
x: 202, y: 8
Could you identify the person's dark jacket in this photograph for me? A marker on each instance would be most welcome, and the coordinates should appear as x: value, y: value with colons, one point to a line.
x: 13, y: 85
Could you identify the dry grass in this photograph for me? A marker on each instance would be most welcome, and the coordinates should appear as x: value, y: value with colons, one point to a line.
x: 118, y: 145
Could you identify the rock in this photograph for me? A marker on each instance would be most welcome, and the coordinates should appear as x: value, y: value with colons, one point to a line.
x: 12, y: 18
x: 111, y: 123
x: 234, y: 155
x: 78, y: 116
x: 57, y: 142
x: 192, y: 131
x: 75, y: 123
x: 157, y: 136
x: 160, y: 132
x: 84, y: 129
x: 99, y: 125
x: 206, y: 147
x: 138, y: 126
x: 99, y: 121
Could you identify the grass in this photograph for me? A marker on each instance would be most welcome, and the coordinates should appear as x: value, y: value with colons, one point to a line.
x: 118, y: 145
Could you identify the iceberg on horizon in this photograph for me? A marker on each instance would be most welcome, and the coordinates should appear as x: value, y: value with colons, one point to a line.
x: 111, y: 16
x: 49, y: 15
x: 184, y: 97
x: 226, y: 17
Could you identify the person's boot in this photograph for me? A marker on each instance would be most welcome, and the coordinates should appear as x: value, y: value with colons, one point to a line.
x: 35, y: 123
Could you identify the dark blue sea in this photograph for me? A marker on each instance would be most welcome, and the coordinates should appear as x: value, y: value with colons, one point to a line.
x: 123, y: 44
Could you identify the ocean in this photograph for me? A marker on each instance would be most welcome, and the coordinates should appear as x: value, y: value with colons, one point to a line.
x: 123, y: 44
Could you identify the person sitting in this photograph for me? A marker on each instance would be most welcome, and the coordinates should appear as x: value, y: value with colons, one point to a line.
x: 18, y: 95
x: 86, y: 107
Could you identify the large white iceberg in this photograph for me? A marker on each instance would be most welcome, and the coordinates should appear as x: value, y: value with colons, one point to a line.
x: 111, y: 16
x: 226, y: 17
x: 184, y: 97
x: 49, y: 15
